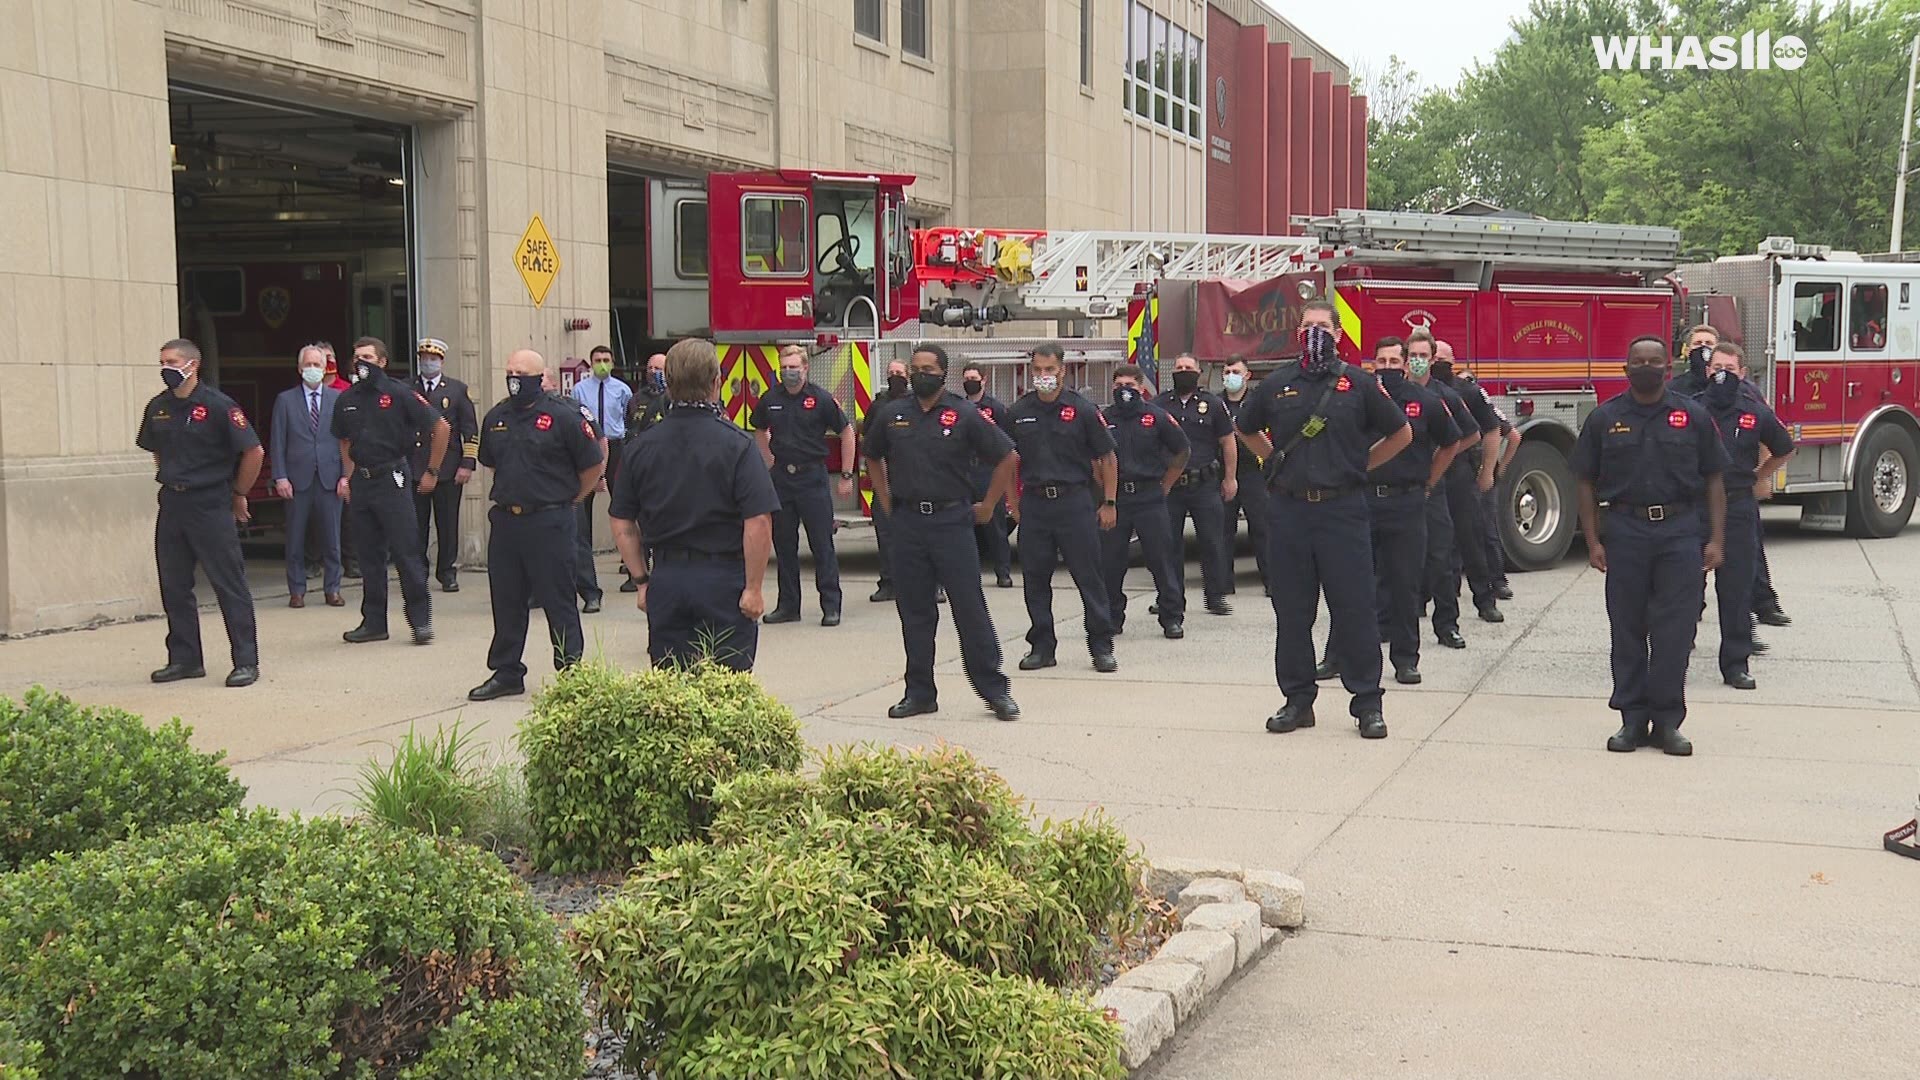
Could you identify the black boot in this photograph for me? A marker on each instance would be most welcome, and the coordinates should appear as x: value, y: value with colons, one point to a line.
x: 1666, y: 736
x: 1630, y: 737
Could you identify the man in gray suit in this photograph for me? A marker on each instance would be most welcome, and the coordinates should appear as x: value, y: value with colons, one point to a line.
x: 306, y: 468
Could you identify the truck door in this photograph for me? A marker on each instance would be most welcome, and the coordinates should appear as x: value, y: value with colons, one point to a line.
x: 1811, y: 328
x: 1868, y: 371
x: 677, y: 259
x: 760, y: 258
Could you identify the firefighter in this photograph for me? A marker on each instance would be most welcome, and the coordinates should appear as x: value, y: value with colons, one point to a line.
x: 1320, y: 427
x: 1490, y: 508
x: 709, y: 541
x: 920, y: 453
x: 1397, y: 494
x: 883, y: 592
x: 1066, y: 467
x: 1470, y: 475
x: 1691, y: 381
x: 546, y: 460
x: 379, y: 422
x: 1150, y: 450
x: 1757, y: 445
x: 973, y: 383
x: 1652, y: 457
x: 793, y: 421
x: 1250, y: 492
x: 643, y: 409
x: 1211, y: 480
x: 455, y: 403
x: 206, y: 457
x: 1440, y: 588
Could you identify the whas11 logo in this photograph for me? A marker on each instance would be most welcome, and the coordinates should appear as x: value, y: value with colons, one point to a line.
x: 1748, y: 52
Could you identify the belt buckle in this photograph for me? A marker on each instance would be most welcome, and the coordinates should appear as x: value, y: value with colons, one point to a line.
x: 926, y: 508
x: 1656, y: 513
x: 1128, y: 487
x: 1313, y: 495
x: 1050, y: 491
x: 516, y: 510
x: 1380, y: 491
x: 791, y: 469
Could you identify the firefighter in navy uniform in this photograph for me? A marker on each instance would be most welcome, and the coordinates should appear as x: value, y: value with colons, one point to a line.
x: 896, y: 389
x: 1757, y: 444
x: 1151, y: 451
x: 793, y: 422
x: 1211, y: 479
x: 380, y: 421
x: 1250, y: 494
x: 1654, y: 459
x: 1320, y: 426
x: 206, y: 457
x: 920, y: 451
x: 455, y: 403
x: 546, y: 460
x: 1470, y: 474
x: 1439, y: 587
x: 973, y: 383
x: 694, y: 490
x: 1397, y: 494
x: 1068, y: 479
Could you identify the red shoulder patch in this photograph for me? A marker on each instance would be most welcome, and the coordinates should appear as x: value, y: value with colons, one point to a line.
x: 1413, y: 410
x: 386, y: 401
x: 587, y: 426
x: 545, y: 421
x: 1146, y: 419
x: 1748, y: 421
x: 1345, y: 384
x: 198, y: 414
x: 422, y: 397
x: 1677, y: 418
x: 948, y: 418
x: 1067, y: 414
x: 986, y: 414
x: 238, y: 417
x: 807, y: 402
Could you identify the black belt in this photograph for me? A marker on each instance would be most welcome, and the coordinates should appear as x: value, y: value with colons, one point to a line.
x: 1388, y: 491
x: 795, y: 468
x: 1131, y: 487
x: 517, y: 509
x: 1315, y: 495
x: 1200, y: 475
x: 926, y: 507
x: 366, y: 472
x: 1055, y: 491
x: 1658, y: 512
x: 188, y: 489
x: 695, y: 555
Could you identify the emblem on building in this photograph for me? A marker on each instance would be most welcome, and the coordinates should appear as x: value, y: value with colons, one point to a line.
x: 1220, y: 99
x: 276, y: 304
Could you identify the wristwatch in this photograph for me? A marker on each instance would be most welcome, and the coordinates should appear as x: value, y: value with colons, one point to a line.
x: 643, y: 579
x: 846, y: 474
x: 1108, y: 502
x: 432, y: 471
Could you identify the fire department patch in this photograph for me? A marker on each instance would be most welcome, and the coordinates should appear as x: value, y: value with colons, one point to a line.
x: 1067, y: 415
x: 1345, y: 384
x: 238, y: 417
x: 1413, y: 410
x: 198, y: 414
x: 1146, y: 419
x: 422, y: 397
x: 807, y: 402
x: 948, y: 418
x: 386, y: 401
x: 544, y: 421
x: 987, y: 415
x: 1677, y: 418
x: 1748, y: 421
x: 588, y: 428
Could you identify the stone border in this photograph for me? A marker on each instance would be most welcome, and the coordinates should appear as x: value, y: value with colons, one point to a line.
x: 1229, y: 918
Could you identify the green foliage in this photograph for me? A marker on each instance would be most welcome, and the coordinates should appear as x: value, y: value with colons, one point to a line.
x: 257, y: 945
x: 619, y: 763
x: 74, y: 777
x: 446, y: 785
x: 19, y: 1058
x: 898, y: 912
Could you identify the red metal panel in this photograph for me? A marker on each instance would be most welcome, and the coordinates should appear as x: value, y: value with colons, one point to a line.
x: 1276, y: 137
x: 1357, y: 148
x: 743, y: 307
x: 1397, y: 310
x: 1322, y: 133
x: 1252, y: 136
x: 1222, y: 100
x: 1339, y: 158
x: 1299, y: 140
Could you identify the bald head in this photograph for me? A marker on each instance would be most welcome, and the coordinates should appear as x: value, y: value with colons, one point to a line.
x: 526, y: 362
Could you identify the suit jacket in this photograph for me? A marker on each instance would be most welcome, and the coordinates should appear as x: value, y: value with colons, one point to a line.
x: 454, y: 401
x: 299, y: 453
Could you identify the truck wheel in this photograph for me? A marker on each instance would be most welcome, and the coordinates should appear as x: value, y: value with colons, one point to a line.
x: 1536, y: 506
x: 1883, y: 484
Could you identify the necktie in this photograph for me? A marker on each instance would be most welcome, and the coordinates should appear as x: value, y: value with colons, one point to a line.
x: 601, y: 416
x: 313, y: 410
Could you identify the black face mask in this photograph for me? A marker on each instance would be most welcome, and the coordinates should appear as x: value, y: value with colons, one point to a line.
x: 1126, y: 398
x: 973, y: 386
x: 1697, y: 360
x: 1442, y: 370
x: 1318, y: 352
x: 365, y: 370
x: 897, y: 385
x: 926, y: 384
x: 1723, y: 388
x: 523, y: 389
x: 1392, y: 378
x: 1186, y: 382
x: 1648, y: 378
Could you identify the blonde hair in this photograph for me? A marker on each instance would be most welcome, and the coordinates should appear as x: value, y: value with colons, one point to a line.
x: 692, y: 368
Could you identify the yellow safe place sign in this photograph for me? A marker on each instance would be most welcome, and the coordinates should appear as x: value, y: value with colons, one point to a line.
x: 537, y: 260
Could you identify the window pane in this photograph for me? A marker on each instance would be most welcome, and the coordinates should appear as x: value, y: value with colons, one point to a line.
x: 1816, y: 316
x: 1159, y: 53
x: 690, y: 238
x: 1139, y: 51
x: 1867, y: 318
x: 869, y: 18
x: 1086, y: 43
x: 1142, y: 100
x: 913, y: 27
x: 1177, y: 62
x: 1194, y: 95
x: 773, y: 235
x: 1159, y: 108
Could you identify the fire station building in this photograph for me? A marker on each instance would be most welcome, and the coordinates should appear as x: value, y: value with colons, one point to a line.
x: 260, y: 174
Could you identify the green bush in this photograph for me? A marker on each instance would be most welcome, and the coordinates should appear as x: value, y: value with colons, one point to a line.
x: 620, y: 763
x: 256, y: 945
x: 19, y: 1059
x: 446, y: 785
x: 74, y: 778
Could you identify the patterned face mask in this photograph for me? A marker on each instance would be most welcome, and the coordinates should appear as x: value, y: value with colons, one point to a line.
x: 1317, y: 350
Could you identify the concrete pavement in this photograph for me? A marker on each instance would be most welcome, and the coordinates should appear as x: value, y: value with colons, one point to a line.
x: 1490, y: 893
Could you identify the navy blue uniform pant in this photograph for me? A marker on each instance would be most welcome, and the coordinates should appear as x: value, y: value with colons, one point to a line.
x: 805, y: 499
x: 1062, y: 528
x: 315, y: 510
x: 1654, y: 591
x: 1490, y: 525
x: 582, y: 577
x: 1199, y: 498
x: 1441, y: 588
x: 1251, y: 500
x: 524, y: 565
x: 1469, y: 538
x: 693, y: 611
x: 440, y: 513
x: 1399, y: 527
x: 197, y: 528
x: 1314, y: 548
x: 1143, y: 514
x: 1733, y: 583
x: 932, y: 551
x: 883, y: 539
x: 993, y: 535
x: 1764, y: 598
x: 386, y: 532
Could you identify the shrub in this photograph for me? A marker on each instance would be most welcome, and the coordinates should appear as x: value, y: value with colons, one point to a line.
x: 946, y: 792
x: 74, y: 778
x: 257, y: 945
x: 446, y: 785
x: 619, y: 763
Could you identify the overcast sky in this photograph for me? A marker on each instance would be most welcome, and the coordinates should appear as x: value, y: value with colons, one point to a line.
x: 1440, y: 41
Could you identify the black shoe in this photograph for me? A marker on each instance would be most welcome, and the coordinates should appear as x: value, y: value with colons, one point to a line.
x: 1003, y: 708
x: 1174, y: 631
x: 1451, y: 639
x: 1491, y: 613
x: 176, y: 672
x: 363, y: 633
x: 1289, y: 717
x: 1003, y: 580
x: 1631, y: 736
x: 1740, y: 680
x: 244, y: 675
x: 423, y: 635
x: 830, y: 618
x: 1503, y: 591
x: 1105, y: 664
x: 495, y: 687
x: 1268, y: 590
x: 1773, y: 617
x: 1761, y: 648
x: 591, y: 607
x: 629, y: 585
x: 1218, y: 606
x: 883, y: 594
x: 1407, y: 676
x: 1372, y: 724
x: 1034, y: 661
x: 906, y: 707
x: 1326, y: 670
x: 781, y: 615
x: 1153, y: 608
x: 1670, y: 741
x: 1119, y: 629
x: 449, y: 586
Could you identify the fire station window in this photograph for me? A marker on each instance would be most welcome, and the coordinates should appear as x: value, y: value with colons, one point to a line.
x: 913, y: 28
x: 869, y: 19
x: 1816, y: 316
x: 1867, y: 318
x: 773, y: 236
x: 690, y: 238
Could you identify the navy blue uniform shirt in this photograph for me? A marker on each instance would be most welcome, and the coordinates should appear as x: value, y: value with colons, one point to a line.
x: 1649, y: 455
x: 1205, y: 419
x: 1433, y: 429
x: 799, y: 423
x: 537, y: 453
x: 1248, y: 464
x: 1357, y: 416
x: 197, y: 438
x: 930, y: 452
x: 384, y: 418
x: 1146, y: 439
x: 1058, y: 441
x: 691, y: 480
x: 1745, y: 427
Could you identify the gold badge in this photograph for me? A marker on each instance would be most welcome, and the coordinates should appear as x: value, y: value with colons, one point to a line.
x: 1203, y: 408
x: 446, y: 402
